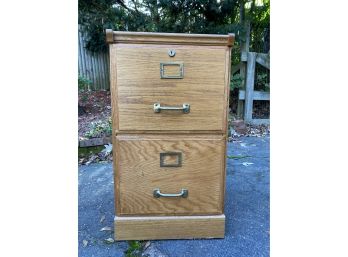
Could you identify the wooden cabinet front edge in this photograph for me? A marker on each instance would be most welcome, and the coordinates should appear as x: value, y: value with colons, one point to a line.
x: 179, y: 227
x: 168, y: 38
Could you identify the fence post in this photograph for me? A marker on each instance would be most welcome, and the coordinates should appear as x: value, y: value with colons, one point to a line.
x: 249, y: 87
x: 243, y: 49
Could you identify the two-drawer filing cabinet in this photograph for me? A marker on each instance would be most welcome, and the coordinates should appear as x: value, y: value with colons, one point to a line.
x: 169, y: 111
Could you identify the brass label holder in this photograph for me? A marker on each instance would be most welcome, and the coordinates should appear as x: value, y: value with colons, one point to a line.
x: 179, y: 75
x: 178, y: 159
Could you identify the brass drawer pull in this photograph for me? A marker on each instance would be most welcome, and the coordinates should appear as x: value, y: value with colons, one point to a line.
x: 157, y: 108
x: 157, y: 193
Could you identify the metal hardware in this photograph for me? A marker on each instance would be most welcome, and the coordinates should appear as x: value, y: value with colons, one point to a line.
x: 180, y: 74
x: 157, y: 193
x: 171, y: 52
x: 177, y: 164
x: 157, y: 108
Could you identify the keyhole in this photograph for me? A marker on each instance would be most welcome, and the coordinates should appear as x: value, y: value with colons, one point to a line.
x: 171, y: 52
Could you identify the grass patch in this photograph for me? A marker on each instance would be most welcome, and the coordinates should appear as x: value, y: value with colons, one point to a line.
x: 85, y: 152
x: 135, y: 249
x: 237, y: 157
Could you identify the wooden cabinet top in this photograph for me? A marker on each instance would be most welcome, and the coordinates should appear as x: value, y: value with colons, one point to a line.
x: 168, y: 38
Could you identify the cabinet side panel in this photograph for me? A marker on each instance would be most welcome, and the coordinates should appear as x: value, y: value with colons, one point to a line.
x: 114, y: 118
x: 226, y: 118
x: 113, y: 87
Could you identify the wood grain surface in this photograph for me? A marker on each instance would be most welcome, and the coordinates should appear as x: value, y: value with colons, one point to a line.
x: 138, y: 173
x: 150, y: 228
x: 114, y: 116
x: 140, y: 135
x: 139, y: 86
x: 165, y: 38
x: 226, y: 117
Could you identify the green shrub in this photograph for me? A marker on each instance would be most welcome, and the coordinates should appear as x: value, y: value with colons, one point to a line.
x: 135, y: 249
x: 262, y: 82
x: 84, y: 83
x: 99, y: 129
x: 236, y: 81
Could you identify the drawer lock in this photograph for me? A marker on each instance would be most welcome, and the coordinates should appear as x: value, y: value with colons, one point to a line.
x: 157, y: 193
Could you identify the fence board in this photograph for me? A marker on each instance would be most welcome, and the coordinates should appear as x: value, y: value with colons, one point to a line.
x: 93, y: 71
x: 236, y: 68
x: 263, y: 59
x: 101, y: 70
x: 259, y: 121
x: 249, y: 87
x: 93, y: 66
x: 258, y: 95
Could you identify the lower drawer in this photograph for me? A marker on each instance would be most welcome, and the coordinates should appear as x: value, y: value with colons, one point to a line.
x: 169, y: 174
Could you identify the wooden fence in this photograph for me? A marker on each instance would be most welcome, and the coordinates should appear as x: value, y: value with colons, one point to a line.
x: 246, y: 69
x: 94, y: 66
x: 249, y: 95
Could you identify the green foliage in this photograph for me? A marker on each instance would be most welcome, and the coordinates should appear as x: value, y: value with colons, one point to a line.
x: 259, y: 18
x: 99, y: 129
x: 237, y: 157
x: 236, y: 81
x: 85, y: 152
x: 262, y: 82
x: 180, y: 16
x: 84, y: 83
x: 134, y: 249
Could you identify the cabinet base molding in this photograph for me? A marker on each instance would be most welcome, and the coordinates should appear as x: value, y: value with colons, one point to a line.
x: 169, y: 227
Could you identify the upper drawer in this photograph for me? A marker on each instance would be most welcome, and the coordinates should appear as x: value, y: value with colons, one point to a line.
x: 139, y: 84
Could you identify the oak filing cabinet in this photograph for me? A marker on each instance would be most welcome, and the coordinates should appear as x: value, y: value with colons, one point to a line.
x: 169, y: 110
